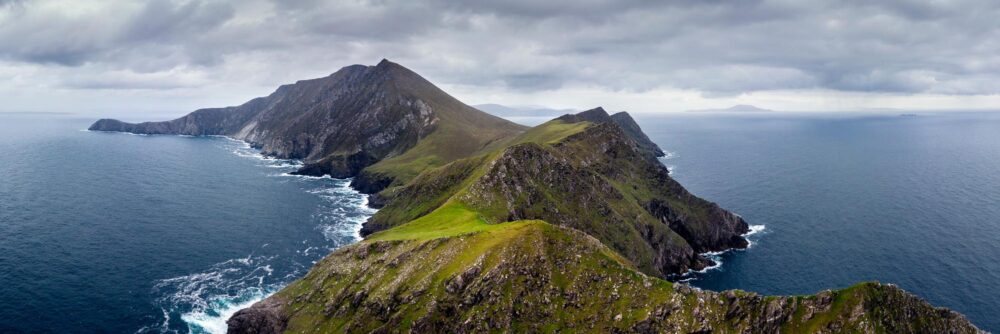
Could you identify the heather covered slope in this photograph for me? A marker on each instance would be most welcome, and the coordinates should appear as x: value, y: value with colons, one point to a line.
x: 453, y: 273
x: 341, y: 124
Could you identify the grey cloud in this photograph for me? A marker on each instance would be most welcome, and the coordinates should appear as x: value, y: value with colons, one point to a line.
x: 716, y: 47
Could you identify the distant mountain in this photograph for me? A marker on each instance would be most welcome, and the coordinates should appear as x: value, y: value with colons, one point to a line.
x: 739, y: 108
x: 367, y: 122
x: 529, y: 111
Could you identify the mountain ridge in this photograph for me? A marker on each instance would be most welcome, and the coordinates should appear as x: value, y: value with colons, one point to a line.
x: 341, y: 124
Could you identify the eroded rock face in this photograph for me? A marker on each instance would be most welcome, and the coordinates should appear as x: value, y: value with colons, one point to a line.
x: 266, y: 316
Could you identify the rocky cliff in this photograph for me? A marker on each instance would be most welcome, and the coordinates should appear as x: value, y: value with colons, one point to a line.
x: 343, y: 124
x: 586, y: 172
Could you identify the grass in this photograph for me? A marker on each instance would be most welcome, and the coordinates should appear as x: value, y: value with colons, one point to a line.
x: 451, y: 219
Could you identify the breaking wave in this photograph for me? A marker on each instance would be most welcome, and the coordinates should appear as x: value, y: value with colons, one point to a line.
x: 716, y: 257
x: 202, y: 302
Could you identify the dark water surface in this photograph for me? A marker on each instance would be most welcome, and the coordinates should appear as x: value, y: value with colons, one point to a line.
x: 913, y: 201
x: 103, y: 232
x: 117, y: 233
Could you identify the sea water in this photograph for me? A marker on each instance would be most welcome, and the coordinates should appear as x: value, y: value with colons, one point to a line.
x: 118, y: 233
x: 847, y: 197
x: 109, y: 232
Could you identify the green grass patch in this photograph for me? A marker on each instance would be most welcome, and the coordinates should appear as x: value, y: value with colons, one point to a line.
x: 451, y: 219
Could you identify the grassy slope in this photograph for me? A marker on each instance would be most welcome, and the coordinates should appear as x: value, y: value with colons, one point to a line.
x: 605, y: 204
x: 450, y: 271
x: 452, y: 142
x: 435, y: 186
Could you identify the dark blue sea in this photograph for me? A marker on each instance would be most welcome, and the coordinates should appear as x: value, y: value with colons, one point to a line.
x: 118, y: 233
x: 908, y: 200
x: 104, y: 232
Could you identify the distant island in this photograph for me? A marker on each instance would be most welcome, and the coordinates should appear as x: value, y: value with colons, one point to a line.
x: 489, y: 226
x: 739, y: 108
x: 522, y: 111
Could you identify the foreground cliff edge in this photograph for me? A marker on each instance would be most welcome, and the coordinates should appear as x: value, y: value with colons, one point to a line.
x: 490, y: 226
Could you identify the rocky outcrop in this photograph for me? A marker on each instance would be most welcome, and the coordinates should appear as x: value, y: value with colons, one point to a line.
x: 623, y: 120
x: 530, y: 277
x: 341, y: 124
x: 266, y: 316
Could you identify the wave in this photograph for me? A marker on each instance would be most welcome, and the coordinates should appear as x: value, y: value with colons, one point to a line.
x: 204, y: 301
x: 339, y: 221
x: 716, y: 257
x: 244, y: 149
x: 207, y: 299
x: 214, y: 321
x: 754, y: 230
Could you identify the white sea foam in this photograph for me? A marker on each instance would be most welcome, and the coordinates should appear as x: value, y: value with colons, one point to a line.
x: 213, y: 320
x: 754, y: 230
x: 667, y: 155
x: 206, y: 300
x: 339, y: 221
x: 716, y: 257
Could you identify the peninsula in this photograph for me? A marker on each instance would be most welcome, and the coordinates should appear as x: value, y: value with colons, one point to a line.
x: 489, y: 226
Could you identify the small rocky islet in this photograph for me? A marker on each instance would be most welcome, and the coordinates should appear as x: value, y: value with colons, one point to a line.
x: 489, y: 226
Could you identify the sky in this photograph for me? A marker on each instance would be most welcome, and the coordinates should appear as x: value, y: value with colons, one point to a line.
x: 171, y: 57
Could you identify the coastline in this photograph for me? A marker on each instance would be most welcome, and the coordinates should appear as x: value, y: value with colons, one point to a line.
x: 209, y: 314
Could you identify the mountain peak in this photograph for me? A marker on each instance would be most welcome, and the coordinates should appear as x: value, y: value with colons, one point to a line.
x: 386, y: 65
x: 341, y: 124
x: 623, y: 120
x: 596, y: 115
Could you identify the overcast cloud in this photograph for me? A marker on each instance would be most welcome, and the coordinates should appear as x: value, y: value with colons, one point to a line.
x: 639, y: 55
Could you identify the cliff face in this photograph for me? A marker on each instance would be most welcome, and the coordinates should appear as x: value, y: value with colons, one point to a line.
x: 342, y: 124
x: 531, y: 277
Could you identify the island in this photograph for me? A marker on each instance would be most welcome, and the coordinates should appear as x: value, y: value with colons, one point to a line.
x: 489, y: 226
x: 739, y: 108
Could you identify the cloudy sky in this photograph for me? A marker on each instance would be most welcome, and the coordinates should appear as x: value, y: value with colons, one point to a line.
x: 170, y: 57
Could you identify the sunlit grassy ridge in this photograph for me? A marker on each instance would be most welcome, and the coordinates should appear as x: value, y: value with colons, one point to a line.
x: 531, y: 276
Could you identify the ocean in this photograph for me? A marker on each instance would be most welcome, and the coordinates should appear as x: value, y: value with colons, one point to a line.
x: 109, y: 232
x: 119, y: 233
x: 908, y: 200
